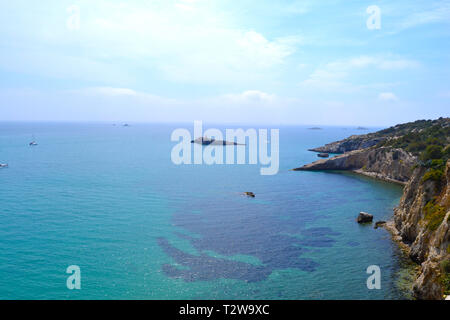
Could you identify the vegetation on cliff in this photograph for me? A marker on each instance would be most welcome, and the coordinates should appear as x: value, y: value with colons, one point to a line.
x: 445, y: 276
x: 417, y: 154
x: 427, y: 139
x: 429, y: 142
x: 434, y: 214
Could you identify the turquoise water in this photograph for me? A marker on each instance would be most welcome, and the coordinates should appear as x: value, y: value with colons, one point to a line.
x: 108, y: 199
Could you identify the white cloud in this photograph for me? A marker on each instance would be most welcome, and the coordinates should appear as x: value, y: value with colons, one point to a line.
x: 188, y: 41
x: 109, y: 91
x: 379, y: 62
x: 432, y: 13
x: 337, y: 75
x: 192, y: 41
x: 250, y: 96
x: 327, y: 79
x: 387, y: 96
x: 398, y: 64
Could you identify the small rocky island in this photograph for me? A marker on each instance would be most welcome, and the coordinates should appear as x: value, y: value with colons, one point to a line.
x: 207, y: 141
x: 416, y: 155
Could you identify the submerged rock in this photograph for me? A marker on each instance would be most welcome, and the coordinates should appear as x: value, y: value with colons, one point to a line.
x: 364, y: 217
x: 379, y: 224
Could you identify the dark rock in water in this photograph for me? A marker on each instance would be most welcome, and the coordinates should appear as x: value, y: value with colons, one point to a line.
x: 249, y: 194
x: 364, y: 217
x: 323, y: 155
x: 379, y: 224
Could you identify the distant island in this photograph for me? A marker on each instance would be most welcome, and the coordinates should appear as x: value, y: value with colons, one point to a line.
x: 207, y: 141
x: 416, y: 155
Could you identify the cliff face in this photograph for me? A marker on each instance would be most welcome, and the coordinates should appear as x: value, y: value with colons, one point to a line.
x: 395, y: 165
x: 416, y: 155
x: 426, y: 230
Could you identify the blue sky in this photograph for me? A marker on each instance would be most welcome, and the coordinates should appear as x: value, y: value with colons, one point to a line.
x: 274, y: 62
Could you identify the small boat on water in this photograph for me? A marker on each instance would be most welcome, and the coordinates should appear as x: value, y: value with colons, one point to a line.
x: 3, y: 165
x: 33, y: 141
x: 323, y: 155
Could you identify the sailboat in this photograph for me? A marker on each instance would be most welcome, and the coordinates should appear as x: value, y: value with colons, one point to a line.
x: 33, y: 143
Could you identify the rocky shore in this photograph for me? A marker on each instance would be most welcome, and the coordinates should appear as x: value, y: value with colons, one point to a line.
x: 421, y: 221
x: 394, y: 165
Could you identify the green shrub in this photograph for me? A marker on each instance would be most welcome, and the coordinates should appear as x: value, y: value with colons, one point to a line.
x: 437, y: 163
x: 432, y: 152
x: 447, y: 152
x: 445, y: 265
x: 416, y: 146
x: 433, y: 174
x: 434, y: 215
x: 445, y: 275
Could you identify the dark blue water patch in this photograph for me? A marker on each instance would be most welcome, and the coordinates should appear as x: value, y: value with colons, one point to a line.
x: 353, y: 243
x: 277, y: 240
x: 323, y: 242
x: 319, y: 232
x: 207, y: 268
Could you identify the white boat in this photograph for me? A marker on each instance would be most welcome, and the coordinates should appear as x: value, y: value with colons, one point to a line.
x: 33, y: 141
x: 3, y: 165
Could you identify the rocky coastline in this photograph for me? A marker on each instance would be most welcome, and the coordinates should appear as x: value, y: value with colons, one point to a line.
x: 420, y: 223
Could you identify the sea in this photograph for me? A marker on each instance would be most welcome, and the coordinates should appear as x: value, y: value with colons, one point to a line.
x: 108, y: 199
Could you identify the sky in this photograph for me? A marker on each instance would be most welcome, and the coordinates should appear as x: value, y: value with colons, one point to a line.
x: 327, y: 62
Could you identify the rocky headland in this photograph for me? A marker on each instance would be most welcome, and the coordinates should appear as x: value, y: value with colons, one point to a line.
x: 416, y: 155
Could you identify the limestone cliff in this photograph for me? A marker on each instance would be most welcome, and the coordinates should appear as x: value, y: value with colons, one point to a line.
x: 422, y: 219
x: 417, y: 155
